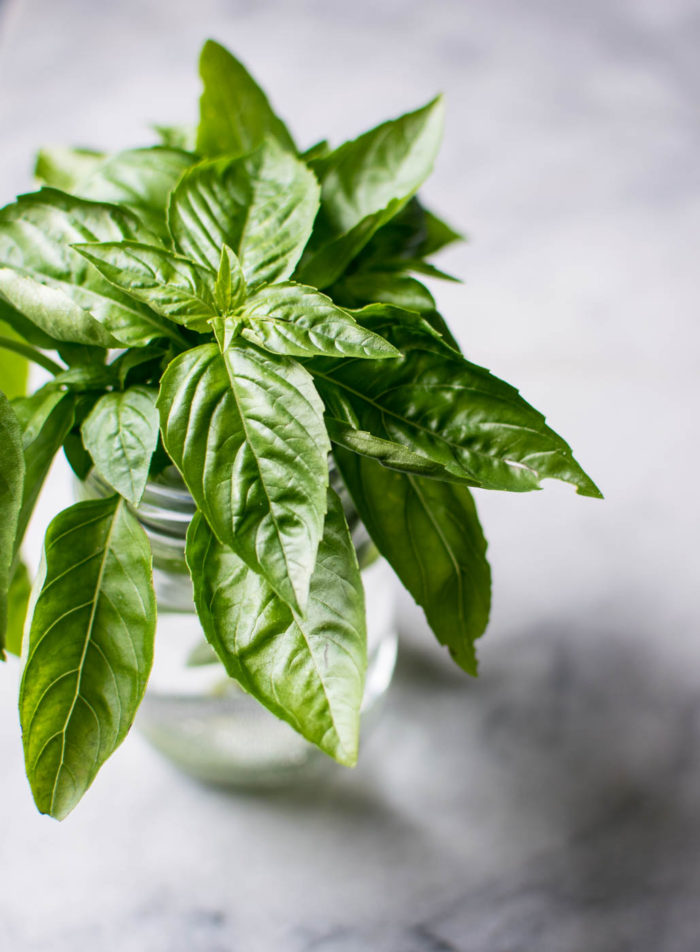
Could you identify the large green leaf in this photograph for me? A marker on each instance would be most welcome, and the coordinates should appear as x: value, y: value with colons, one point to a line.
x: 90, y: 649
x: 261, y: 205
x: 307, y: 669
x: 293, y: 319
x: 235, y: 115
x: 45, y: 419
x: 387, y: 163
x: 430, y: 533
x: 11, y: 484
x: 172, y: 285
x: 246, y: 431
x: 364, y: 184
x: 434, y: 402
x: 57, y: 288
x: 120, y: 434
x: 322, y: 266
x: 139, y: 179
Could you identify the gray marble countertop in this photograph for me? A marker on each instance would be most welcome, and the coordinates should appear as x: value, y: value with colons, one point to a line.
x: 553, y: 805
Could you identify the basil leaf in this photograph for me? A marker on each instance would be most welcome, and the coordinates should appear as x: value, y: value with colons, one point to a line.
x: 83, y: 378
x: 322, y: 267
x: 246, y: 431
x: 384, y: 165
x: 45, y: 419
x: 368, y: 287
x: 66, y: 168
x: 440, y: 405
x: 55, y: 287
x: 77, y: 456
x: 307, y: 669
x: 90, y: 649
x: 394, y: 455
x: 363, y: 288
x: 261, y: 205
x: 230, y: 289
x: 17, y: 602
x: 235, y: 115
x: 172, y: 285
x: 11, y: 485
x: 14, y: 368
x: 140, y: 180
x: 293, y: 319
x: 429, y: 531
x: 120, y: 434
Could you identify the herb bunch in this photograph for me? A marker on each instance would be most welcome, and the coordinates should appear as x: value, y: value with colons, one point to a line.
x: 229, y: 305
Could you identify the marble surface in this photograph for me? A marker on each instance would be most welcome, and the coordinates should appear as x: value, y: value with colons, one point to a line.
x: 554, y: 803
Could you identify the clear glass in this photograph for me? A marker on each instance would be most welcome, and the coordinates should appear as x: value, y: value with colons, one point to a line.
x: 196, y: 715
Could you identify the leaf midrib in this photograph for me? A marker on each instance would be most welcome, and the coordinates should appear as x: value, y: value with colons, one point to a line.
x: 81, y: 662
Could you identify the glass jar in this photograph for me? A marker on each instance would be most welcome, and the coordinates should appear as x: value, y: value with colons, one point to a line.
x: 193, y: 712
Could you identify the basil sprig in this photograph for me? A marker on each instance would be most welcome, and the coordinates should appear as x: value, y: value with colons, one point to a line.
x: 230, y: 306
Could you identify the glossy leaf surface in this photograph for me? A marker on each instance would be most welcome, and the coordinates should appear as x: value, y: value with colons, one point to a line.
x: 235, y: 115
x: 90, y: 649
x: 57, y: 288
x: 45, y: 419
x: 261, y: 205
x: 440, y: 405
x: 308, y: 670
x: 246, y: 431
x: 386, y: 164
x: 11, y: 486
x: 138, y: 179
x: 120, y: 434
x: 172, y: 285
x: 429, y: 531
x: 290, y: 318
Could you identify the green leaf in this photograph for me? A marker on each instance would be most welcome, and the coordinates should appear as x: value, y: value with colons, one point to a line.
x: 14, y: 369
x: 293, y: 319
x: 77, y: 456
x: 177, y: 137
x: 369, y: 287
x: 246, y: 431
x: 429, y: 531
x: 348, y: 435
x: 45, y: 419
x: 17, y: 602
x: 235, y: 115
x: 230, y: 290
x: 386, y: 164
x: 140, y: 180
x: 322, y: 267
x: 363, y: 288
x: 65, y: 168
x: 55, y: 287
x: 172, y: 285
x: 307, y: 669
x: 364, y: 184
x: 84, y: 378
x: 90, y: 649
x: 261, y: 205
x: 434, y: 402
x: 120, y: 434
x: 11, y: 484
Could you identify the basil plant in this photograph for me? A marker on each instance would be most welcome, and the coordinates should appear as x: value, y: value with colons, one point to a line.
x: 229, y: 305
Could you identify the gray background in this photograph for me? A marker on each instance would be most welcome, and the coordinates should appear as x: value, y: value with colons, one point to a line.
x: 554, y: 804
